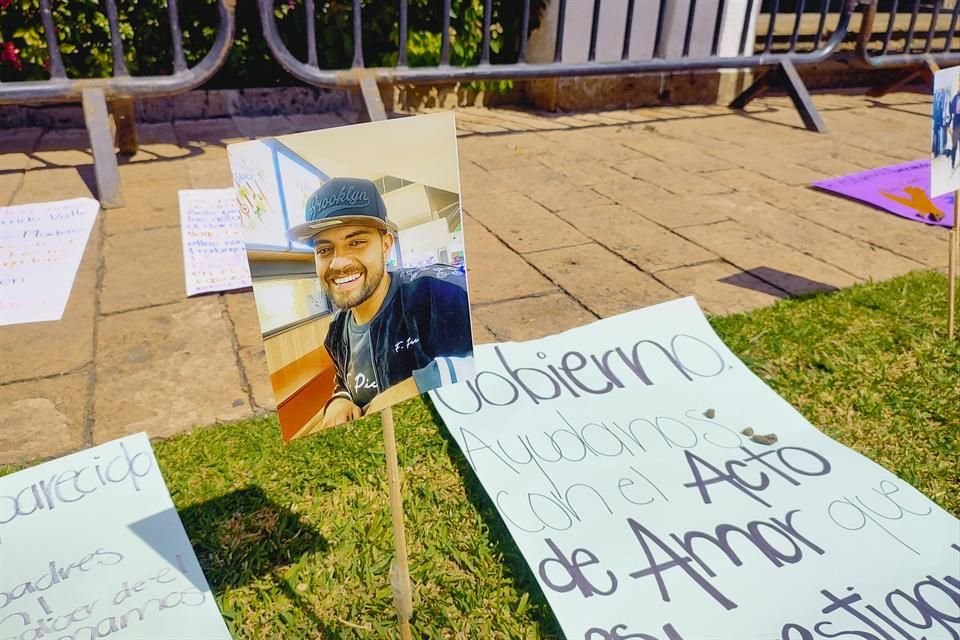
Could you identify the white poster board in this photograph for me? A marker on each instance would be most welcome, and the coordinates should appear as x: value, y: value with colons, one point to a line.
x: 91, y: 547
x: 40, y: 250
x: 214, y: 256
x: 643, y: 518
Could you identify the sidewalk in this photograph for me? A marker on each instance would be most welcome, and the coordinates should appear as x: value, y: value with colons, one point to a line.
x: 570, y: 218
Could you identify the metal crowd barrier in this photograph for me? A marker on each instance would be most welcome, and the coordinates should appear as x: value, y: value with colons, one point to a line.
x: 901, y: 33
x: 781, y: 56
x: 803, y: 32
x: 120, y: 89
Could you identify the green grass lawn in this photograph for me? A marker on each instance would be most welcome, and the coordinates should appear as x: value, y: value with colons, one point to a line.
x: 296, y: 539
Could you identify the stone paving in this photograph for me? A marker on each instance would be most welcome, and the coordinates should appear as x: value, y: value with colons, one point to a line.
x: 571, y: 218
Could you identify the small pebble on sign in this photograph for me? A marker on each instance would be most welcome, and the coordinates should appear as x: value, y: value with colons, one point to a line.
x: 710, y: 413
x: 769, y: 438
x: 747, y: 432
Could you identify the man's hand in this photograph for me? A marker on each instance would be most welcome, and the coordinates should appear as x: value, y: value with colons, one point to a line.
x: 399, y: 392
x: 339, y: 410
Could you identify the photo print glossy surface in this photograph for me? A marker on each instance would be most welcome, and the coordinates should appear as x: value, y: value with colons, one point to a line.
x: 354, y: 237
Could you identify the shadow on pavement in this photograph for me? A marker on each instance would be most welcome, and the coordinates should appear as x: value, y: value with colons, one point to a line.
x: 788, y: 283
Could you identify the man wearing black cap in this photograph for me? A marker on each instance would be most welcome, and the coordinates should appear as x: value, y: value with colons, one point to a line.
x: 395, y: 334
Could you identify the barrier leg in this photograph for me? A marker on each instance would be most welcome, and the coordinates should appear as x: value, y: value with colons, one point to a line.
x: 101, y: 142
x: 788, y: 78
x: 793, y: 83
x: 373, y: 108
x: 924, y: 72
x: 756, y: 90
x: 125, y: 116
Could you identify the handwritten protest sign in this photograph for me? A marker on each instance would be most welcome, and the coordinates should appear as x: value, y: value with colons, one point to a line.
x: 40, y: 250
x: 902, y: 189
x: 214, y: 258
x: 92, y: 547
x: 614, y: 453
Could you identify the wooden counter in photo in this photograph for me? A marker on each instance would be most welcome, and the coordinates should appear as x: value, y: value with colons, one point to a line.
x: 301, y: 373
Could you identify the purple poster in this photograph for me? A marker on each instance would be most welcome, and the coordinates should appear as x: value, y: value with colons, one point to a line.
x: 901, y: 189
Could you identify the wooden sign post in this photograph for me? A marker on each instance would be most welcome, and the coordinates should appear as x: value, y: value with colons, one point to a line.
x: 952, y: 269
x: 400, y: 569
x: 946, y: 110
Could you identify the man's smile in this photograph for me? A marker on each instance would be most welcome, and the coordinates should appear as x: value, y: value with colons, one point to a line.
x: 347, y: 279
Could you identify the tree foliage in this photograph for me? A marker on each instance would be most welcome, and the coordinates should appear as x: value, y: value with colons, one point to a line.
x: 83, y: 36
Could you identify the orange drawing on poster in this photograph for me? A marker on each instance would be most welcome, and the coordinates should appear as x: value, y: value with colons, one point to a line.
x: 919, y: 201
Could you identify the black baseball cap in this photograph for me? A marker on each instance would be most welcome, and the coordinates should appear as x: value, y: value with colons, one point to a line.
x: 341, y: 202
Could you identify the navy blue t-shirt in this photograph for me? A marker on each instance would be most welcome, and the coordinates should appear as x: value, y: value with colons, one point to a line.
x: 360, y: 373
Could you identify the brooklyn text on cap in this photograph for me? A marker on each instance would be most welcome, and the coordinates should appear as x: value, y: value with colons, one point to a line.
x: 340, y: 202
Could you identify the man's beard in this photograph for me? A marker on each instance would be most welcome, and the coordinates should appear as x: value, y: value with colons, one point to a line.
x: 350, y: 299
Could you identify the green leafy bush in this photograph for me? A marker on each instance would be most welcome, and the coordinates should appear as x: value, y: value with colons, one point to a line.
x: 83, y: 34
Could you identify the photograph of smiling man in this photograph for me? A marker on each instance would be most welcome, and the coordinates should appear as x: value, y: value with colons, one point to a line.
x: 359, y: 270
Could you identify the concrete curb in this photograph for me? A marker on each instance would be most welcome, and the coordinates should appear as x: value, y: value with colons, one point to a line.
x: 193, y: 105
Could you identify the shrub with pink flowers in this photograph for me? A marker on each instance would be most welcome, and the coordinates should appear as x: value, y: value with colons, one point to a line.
x: 10, y: 55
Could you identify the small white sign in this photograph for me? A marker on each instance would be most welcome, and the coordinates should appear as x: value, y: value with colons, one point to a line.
x: 40, y: 250
x: 91, y: 546
x: 214, y: 258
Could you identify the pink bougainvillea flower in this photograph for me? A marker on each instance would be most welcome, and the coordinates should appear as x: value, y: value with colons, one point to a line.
x: 5, y: 3
x: 10, y: 53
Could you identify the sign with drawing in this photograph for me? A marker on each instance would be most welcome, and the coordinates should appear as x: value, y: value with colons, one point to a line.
x: 660, y: 490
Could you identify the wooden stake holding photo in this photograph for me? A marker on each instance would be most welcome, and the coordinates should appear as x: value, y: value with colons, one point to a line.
x: 944, y: 170
x: 952, y: 270
x: 400, y: 568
